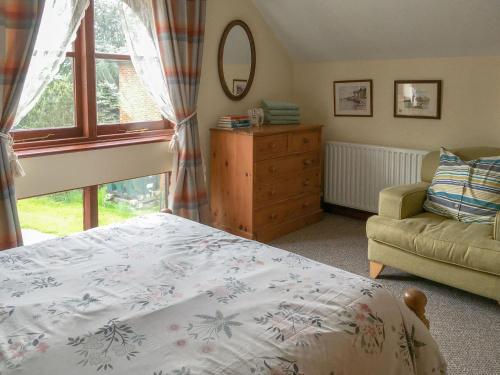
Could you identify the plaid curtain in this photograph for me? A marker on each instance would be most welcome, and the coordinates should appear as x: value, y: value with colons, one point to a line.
x: 19, y: 23
x: 180, y: 29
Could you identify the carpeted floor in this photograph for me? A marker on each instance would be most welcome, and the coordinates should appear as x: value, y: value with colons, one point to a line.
x: 466, y: 326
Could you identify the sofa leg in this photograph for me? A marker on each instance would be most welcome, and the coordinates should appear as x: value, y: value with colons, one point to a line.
x: 375, y: 269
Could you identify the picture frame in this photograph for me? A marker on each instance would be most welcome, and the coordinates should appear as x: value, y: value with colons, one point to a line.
x: 353, y: 98
x: 239, y: 86
x: 418, y: 99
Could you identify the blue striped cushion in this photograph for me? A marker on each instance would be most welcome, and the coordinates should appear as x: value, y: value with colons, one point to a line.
x: 468, y: 191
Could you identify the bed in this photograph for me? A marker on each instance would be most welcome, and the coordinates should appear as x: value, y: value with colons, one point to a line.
x: 161, y: 295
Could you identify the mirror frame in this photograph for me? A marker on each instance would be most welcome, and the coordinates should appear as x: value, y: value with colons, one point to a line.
x: 220, y: 64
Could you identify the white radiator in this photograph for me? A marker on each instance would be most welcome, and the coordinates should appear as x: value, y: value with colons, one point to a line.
x: 355, y: 173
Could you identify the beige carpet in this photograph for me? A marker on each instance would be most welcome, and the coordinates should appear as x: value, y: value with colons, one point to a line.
x: 466, y: 326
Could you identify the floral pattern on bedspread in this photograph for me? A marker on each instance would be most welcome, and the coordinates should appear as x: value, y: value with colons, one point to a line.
x: 161, y: 295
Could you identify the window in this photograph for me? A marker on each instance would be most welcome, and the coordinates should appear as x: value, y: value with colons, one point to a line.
x: 68, y: 212
x: 122, y: 200
x: 56, y: 106
x: 121, y: 96
x: 51, y: 215
x: 96, y: 95
x: 119, y: 92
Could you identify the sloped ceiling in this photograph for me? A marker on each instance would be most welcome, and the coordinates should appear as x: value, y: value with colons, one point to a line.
x: 322, y: 30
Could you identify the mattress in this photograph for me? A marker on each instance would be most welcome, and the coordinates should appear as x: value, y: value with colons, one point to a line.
x: 161, y: 295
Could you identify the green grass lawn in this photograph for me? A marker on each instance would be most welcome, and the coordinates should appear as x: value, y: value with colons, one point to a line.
x: 61, y: 214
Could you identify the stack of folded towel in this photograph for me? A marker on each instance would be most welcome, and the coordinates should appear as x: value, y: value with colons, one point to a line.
x: 278, y: 113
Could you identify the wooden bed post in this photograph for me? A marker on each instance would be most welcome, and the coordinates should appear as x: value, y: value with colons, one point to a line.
x: 416, y: 300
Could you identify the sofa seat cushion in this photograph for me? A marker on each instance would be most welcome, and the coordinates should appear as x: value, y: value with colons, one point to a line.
x: 432, y: 236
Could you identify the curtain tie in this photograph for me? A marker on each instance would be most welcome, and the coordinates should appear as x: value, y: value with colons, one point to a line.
x: 173, y: 146
x: 182, y: 122
x: 15, y: 165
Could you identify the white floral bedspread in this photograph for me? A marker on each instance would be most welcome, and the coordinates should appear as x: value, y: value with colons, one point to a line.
x: 160, y: 295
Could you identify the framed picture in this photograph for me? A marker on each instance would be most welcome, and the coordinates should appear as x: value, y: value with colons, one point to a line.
x: 353, y: 98
x: 417, y: 99
x: 239, y: 86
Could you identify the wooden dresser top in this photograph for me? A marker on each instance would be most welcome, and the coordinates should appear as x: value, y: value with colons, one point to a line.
x: 268, y: 129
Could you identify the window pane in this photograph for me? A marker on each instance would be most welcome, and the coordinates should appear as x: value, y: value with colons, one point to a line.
x: 121, y: 97
x: 56, y: 106
x: 51, y: 215
x: 109, y: 36
x: 119, y: 201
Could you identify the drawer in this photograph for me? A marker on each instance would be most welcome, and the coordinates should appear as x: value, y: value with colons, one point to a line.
x: 271, y: 232
x: 270, y: 145
x: 301, y: 183
x: 305, y: 141
x: 288, y: 210
x: 287, y: 166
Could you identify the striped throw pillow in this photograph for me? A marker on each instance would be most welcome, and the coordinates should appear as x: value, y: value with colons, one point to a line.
x: 468, y: 191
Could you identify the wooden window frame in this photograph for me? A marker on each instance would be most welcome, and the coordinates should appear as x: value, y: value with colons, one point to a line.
x: 87, y: 133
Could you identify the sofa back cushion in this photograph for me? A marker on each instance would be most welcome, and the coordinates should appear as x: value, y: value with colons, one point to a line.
x: 467, y: 191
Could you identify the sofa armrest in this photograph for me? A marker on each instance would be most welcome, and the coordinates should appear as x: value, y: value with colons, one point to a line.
x: 401, y: 202
x: 496, y: 227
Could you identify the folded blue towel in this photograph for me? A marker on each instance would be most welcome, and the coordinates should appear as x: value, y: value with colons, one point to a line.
x: 283, y: 122
x: 283, y: 112
x: 269, y: 104
x: 268, y: 117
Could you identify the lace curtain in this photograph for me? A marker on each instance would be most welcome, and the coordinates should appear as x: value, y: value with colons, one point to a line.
x: 139, y: 28
x: 58, y: 27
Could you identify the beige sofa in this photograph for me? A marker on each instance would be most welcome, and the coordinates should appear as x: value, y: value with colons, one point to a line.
x: 402, y: 235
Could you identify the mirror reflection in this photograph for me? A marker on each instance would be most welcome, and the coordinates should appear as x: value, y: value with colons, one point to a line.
x: 237, y: 60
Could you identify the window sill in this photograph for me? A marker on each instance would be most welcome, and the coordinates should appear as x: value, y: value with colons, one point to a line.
x: 77, y: 145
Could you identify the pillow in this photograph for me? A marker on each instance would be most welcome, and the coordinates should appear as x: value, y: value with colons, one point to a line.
x: 468, y: 191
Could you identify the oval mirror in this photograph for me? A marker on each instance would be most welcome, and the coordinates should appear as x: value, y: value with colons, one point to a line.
x: 236, y: 60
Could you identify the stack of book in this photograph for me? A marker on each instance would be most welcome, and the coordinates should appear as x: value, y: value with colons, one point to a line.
x: 234, y: 121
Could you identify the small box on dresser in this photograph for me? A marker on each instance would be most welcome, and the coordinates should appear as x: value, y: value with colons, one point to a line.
x: 266, y: 181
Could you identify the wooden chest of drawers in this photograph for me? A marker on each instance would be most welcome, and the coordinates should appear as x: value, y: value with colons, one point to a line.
x: 265, y: 182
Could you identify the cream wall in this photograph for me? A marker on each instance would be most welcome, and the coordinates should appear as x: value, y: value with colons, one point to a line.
x: 60, y: 172
x: 470, y: 110
x: 273, y: 80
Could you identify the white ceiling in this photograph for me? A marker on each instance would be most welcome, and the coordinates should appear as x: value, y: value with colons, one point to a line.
x: 321, y: 30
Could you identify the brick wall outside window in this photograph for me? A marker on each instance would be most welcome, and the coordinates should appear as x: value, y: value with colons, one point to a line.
x: 135, y: 102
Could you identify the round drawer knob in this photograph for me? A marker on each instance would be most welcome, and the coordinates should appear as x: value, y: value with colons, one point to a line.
x: 273, y: 169
x: 273, y: 145
x: 273, y: 216
x: 305, y: 140
x: 306, y: 182
x: 307, y: 161
x: 272, y: 193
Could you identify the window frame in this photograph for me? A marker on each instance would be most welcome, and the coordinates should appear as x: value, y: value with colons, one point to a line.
x: 87, y: 132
